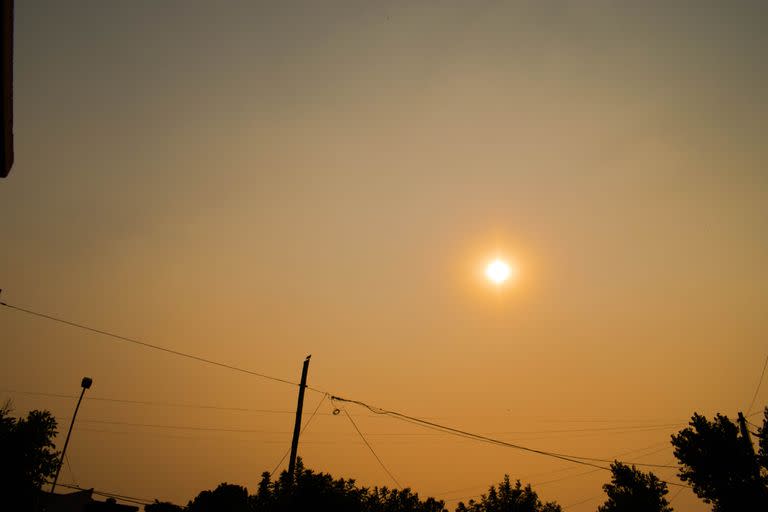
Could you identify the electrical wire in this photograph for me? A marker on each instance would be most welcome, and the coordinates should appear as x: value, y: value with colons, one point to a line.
x: 672, y: 498
x: 558, y: 471
x: 561, y: 469
x: 481, y: 437
x: 566, y: 507
x: 664, y: 445
x: 147, y: 402
x: 759, y: 383
x: 150, y: 345
x: 381, y: 463
x: 158, y: 403
x: 639, y: 428
x: 181, y: 427
x: 586, y: 461
x: 301, y: 432
x: 607, y: 430
x: 199, y: 438
x: 588, y: 472
x: 69, y: 466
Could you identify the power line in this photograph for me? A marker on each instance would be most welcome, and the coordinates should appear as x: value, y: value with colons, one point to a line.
x: 157, y: 403
x: 481, y: 437
x: 567, y: 468
x: 199, y: 438
x: 608, y: 430
x: 71, y: 473
x: 381, y: 463
x: 624, y: 429
x: 591, y: 470
x: 759, y: 382
x: 588, y: 472
x: 671, y: 499
x: 565, y: 507
x: 182, y: 427
x: 586, y: 461
x: 195, y: 428
x: 558, y: 470
x: 236, y: 430
x: 148, y: 402
x: 148, y: 345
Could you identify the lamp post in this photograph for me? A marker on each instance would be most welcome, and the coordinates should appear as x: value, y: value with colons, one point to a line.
x: 86, y: 383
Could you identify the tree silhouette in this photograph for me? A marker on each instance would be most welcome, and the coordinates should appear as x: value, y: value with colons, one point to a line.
x: 721, y: 465
x: 509, y: 498
x: 28, y: 456
x: 163, y: 506
x: 309, y: 490
x: 225, y: 498
x: 632, y: 490
x: 381, y: 499
x: 320, y: 491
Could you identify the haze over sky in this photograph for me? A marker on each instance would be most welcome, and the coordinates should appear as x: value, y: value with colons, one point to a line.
x: 254, y: 182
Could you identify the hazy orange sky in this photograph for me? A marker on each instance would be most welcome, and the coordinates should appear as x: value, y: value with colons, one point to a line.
x: 254, y: 182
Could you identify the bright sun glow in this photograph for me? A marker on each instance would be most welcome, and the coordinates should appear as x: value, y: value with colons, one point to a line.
x: 498, y: 271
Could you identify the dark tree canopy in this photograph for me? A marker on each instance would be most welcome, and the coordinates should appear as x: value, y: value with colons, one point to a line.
x: 28, y: 456
x: 163, y: 506
x: 509, y: 498
x: 631, y: 490
x: 720, y: 464
x: 311, y: 491
x: 225, y: 498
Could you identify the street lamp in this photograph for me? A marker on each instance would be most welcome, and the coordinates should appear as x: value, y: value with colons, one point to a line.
x: 86, y: 384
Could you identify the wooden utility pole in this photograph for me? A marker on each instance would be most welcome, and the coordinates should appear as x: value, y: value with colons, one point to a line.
x: 297, y: 425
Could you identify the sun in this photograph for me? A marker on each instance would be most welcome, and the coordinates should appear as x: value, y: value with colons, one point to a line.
x: 498, y: 271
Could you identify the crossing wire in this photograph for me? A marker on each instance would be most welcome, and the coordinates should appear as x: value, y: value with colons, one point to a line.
x: 381, y: 463
x: 586, y: 461
x: 146, y: 402
x: 149, y: 345
x: 164, y: 404
x: 759, y: 383
x: 559, y: 479
x: 302, y: 431
x: 622, y: 429
x: 69, y: 465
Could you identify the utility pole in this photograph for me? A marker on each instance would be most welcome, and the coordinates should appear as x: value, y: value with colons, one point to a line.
x: 297, y: 425
x: 86, y: 383
x: 745, y: 434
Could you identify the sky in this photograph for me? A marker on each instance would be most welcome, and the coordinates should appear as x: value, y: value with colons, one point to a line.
x: 253, y: 182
